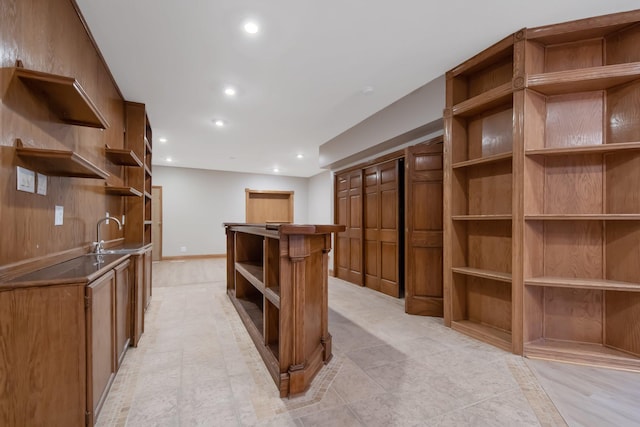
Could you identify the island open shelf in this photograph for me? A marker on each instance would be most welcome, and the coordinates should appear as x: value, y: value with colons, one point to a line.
x: 277, y: 281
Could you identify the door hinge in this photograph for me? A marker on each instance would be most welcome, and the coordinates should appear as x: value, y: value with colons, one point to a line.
x: 87, y: 301
x: 87, y: 418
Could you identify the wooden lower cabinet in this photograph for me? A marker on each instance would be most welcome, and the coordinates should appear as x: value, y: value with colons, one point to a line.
x: 277, y: 281
x: 61, y: 345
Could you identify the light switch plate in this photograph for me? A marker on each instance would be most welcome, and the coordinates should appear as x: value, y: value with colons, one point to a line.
x: 42, y: 184
x: 26, y: 180
x: 59, y: 215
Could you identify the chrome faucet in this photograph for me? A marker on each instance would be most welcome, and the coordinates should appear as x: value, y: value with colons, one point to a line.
x: 99, y: 242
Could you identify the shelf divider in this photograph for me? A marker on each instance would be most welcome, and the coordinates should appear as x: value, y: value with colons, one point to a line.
x: 485, y: 274
x: 585, y: 79
x: 584, y: 149
x: 580, y: 283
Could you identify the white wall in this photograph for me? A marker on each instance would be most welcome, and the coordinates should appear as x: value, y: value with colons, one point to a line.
x: 195, y: 203
x: 320, y: 200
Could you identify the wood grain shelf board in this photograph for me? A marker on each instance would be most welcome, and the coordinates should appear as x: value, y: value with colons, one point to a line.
x: 481, y: 217
x: 486, y: 333
x: 485, y: 274
x: 581, y: 354
x: 123, y: 157
x: 585, y: 149
x: 122, y: 191
x: 147, y: 195
x: 584, y: 80
x: 483, y: 160
x: 147, y: 144
x: 253, y: 272
x: 65, y: 97
x: 59, y: 163
x: 485, y: 101
x: 273, y: 295
x: 599, y: 284
x: 147, y: 170
x: 147, y: 222
x: 583, y: 217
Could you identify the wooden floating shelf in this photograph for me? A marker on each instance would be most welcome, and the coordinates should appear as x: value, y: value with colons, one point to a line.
x: 585, y: 149
x: 122, y: 157
x: 122, y: 191
x: 65, y: 97
x: 147, y: 222
x: 583, y: 217
x: 147, y: 144
x: 485, y: 101
x: 598, y: 284
x: 483, y: 160
x: 147, y: 195
x: 147, y: 170
x: 485, y: 274
x: 486, y: 333
x: 583, y: 80
x: 59, y: 162
x: 582, y: 354
x: 506, y: 217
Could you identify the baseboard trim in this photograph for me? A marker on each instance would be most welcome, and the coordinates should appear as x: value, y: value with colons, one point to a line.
x: 189, y: 257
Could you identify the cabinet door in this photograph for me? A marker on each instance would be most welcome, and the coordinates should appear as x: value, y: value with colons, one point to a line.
x: 137, y: 310
x: 101, y: 351
x: 147, y: 278
x: 423, y: 265
x: 123, y: 309
x: 42, y: 356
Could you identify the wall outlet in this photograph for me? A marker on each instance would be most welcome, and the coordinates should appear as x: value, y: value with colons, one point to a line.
x: 107, y: 221
x: 183, y: 249
x: 59, y: 215
x: 122, y: 219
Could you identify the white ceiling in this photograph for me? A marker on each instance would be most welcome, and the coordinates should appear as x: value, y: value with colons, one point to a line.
x: 300, y: 80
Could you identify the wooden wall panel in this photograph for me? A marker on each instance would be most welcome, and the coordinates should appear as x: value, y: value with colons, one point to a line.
x: 48, y: 35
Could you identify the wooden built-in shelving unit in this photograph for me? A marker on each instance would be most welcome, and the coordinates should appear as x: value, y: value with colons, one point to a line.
x: 283, y: 307
x: 543, y: 130
x: 138, y: 142
x: 65, y: 97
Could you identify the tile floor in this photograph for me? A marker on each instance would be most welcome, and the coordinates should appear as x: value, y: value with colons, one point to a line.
x: 196, y: 366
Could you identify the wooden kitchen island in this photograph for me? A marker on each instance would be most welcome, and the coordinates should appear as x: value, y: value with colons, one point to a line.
x: 277, y: 280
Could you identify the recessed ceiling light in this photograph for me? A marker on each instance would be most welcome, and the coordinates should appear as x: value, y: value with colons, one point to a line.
x: 367, y: 90
x: 163, y: 140
x: 230, y: 91
x: 276, y: 170
x: 169, y: 160
x: 300, y: 156
x: 219, y: 123
x: 251, y: 27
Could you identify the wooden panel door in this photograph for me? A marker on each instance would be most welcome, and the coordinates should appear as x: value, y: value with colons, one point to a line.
x: 348, y: 212
x: 423, y: 263
x: 382, y: 226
